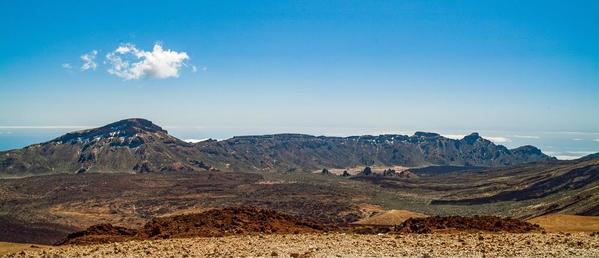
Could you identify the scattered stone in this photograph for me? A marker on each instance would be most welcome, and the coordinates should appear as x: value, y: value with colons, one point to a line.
x: 339, y: 244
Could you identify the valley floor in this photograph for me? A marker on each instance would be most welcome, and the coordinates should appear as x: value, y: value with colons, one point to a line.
x: 345, y: 245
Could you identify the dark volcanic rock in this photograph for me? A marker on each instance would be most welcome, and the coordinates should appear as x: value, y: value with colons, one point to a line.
x: 228, y: 221
x: 366, y: 172
x: 212, y: 223
x: 101, y: 233
x: 389, y: 172
x: 476, y: 223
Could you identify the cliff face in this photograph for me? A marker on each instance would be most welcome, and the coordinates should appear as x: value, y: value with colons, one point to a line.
x: 285, y: 152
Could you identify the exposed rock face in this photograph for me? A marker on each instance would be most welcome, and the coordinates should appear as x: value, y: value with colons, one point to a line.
x: 292, y: 152
x: 138, y: 145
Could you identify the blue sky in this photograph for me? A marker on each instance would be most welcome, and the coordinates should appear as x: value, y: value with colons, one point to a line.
x: 322, y: 67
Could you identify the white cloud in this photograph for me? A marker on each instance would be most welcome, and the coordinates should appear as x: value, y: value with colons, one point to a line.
x: 89, y: 61
x: 566, y: 157
x: 67, y: 66
x: 597, y: 140
x: 584, y: 153
x: 195, y: 140
x: 495, y: 139
x: 576, y: 139
x: 454, y: 136
x: 498, y: 139
x: 526, y: 136
x: 194, y: 68
x: 130, y: 63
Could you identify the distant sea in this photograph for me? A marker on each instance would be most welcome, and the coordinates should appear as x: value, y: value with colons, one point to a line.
x: 563, y: 145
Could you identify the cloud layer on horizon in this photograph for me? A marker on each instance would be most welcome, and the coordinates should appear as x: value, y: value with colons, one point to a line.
x: 495, y: 139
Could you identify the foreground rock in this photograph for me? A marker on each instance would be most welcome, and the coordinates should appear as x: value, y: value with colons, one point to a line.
x: 346, y: 245
x: 228, y: 221
x: 212, y: 223
x: 250, y: 220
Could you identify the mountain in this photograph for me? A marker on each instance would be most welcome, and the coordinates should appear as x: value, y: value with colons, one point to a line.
x: 138, y: 145
x: 289, y: 152
x: 128, y: 145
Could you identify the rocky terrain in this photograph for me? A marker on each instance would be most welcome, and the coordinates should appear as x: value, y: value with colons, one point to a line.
x: 249, y: 220
x: 138, y: 145
x: 44, y: 209
x: 341, y: 245
x: 212, y: 223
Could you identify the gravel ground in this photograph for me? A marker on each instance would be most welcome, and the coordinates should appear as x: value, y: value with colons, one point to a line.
x: 345, y: 245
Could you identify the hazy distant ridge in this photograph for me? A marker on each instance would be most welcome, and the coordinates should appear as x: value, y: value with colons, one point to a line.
x: 138, y: 145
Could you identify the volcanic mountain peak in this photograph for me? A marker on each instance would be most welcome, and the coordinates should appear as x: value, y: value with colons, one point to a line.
x: 123, y: 129
x: 137, y: 124
x: 472, y: 138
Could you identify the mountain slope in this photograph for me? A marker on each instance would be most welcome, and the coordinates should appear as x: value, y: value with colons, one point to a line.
x: 124, y: 146
x: 566, y: 187
x: 138, y: 145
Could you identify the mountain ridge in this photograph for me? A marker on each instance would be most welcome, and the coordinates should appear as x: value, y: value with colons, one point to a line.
x: 138, y: 145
